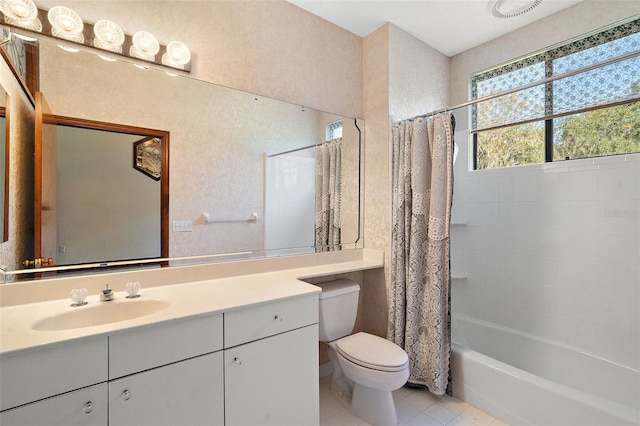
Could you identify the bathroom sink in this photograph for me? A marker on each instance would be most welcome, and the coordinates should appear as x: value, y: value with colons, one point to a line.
x: 100, y: 314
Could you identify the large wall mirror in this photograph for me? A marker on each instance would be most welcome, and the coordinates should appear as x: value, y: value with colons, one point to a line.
x: 243, y: 169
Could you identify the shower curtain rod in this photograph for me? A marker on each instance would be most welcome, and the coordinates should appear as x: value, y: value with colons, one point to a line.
x: 532, y: 84
x: 301, y: 149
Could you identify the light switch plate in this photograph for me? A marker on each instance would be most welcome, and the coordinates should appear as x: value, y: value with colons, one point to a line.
x: 182, y: 226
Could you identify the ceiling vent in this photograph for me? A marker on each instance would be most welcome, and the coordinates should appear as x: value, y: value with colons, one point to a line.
x: 511, y: 8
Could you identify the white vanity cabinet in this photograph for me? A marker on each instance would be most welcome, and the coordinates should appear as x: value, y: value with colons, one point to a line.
x: 238, y: 365
x: 271, y: 364
x: 184, y: 393
x: 83, y: 407
x: 170, y: 373
x: 55, y: 385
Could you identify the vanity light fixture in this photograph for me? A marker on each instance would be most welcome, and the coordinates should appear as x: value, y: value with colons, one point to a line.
x: 73, y: 34
x: 108, y: 36
x: 144, y: 46
x: 511, y: 8
x: 177, y: 55
x: 65, y: 23
x: 21, y: 13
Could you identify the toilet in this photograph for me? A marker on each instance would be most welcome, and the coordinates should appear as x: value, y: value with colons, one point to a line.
x: 366, y: 368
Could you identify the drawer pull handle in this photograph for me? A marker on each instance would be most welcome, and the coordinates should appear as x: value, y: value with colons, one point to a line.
x: 278, y: 318
x: 88, y: 407
x: 126, y: 394
x: 237, y: 361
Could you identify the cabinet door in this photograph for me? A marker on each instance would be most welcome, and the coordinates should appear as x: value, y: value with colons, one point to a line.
x: 185, y: 393
x: 273, y: 381
x: 86, y: 406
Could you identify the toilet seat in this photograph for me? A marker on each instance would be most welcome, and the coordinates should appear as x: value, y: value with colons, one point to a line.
x: 372, y: 352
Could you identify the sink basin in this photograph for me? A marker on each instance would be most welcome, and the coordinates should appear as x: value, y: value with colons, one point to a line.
x: 99, y: 314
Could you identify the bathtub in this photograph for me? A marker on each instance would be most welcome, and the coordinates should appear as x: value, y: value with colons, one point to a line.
x: 525, y: 380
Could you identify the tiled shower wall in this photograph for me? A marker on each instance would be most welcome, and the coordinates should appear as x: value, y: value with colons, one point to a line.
x: 552, y: 250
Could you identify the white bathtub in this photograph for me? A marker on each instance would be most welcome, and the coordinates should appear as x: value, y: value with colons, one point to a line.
x: 524, y: 380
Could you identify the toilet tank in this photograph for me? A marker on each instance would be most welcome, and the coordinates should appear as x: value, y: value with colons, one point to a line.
x: 338, y: 308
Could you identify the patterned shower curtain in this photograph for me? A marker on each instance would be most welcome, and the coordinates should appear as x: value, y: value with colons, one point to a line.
x: 420, y: 303
x: 328, y: 195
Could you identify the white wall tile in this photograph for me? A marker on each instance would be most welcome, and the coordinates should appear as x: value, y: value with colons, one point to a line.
x: 618, y: 182
x: 582, y: 215
x: 581, y: 184
x: 618, y: 248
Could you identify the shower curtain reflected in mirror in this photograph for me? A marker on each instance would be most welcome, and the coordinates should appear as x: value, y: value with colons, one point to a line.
x: 419, y: 296
x: 328, y: 195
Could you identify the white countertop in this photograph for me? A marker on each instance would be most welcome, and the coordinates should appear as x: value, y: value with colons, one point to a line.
x: 185, y: 300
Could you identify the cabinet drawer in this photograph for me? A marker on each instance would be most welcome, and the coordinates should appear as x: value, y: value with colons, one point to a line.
x: 86, y: 406
x: 186, y: 393
x: 43, y: 372
x: 161, y: 344
x: 246, y: 325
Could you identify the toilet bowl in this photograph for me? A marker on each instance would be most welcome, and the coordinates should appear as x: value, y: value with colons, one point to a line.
x: 366, y: 368
x: 375, y: 367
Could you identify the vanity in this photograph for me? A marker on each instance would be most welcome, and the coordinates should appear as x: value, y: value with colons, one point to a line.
x: 236, y: 350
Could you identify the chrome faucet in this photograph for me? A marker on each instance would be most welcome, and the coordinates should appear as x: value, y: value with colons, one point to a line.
x: 107, y: 294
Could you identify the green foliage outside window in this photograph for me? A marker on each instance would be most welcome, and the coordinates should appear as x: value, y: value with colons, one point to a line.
x: 511, y: 146
x: 597, y: 133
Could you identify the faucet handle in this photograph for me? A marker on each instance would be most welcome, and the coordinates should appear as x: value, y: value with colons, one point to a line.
x: 106, y: 294
x: 132, y: 287
x: 78, y: 295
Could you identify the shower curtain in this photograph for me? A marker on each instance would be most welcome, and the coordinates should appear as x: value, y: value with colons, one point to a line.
x: 328, y: 195
x: 420, y: 303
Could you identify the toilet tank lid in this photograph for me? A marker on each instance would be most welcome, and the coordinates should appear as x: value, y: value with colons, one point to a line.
x: 337, y: 287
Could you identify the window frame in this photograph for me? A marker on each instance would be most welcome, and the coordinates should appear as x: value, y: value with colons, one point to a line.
x: 548, y: 56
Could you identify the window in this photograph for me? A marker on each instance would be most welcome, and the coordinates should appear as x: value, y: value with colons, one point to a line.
x: 577, y: 100
x: 334, y: 130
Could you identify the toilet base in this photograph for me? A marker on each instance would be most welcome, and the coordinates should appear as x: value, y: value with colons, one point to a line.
x: 341, y: 390
x: 373, y: 406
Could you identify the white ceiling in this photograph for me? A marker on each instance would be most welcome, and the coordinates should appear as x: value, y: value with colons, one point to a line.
x: 450, y: 26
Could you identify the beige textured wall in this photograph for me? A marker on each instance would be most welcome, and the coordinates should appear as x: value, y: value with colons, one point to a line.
x: 376, y: 174
x: 403, y: 77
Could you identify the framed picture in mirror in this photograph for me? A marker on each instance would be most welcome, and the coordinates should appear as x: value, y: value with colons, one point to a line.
x: 147, y: 157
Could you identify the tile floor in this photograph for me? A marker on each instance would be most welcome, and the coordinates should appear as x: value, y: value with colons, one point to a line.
x: 415, y: 408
